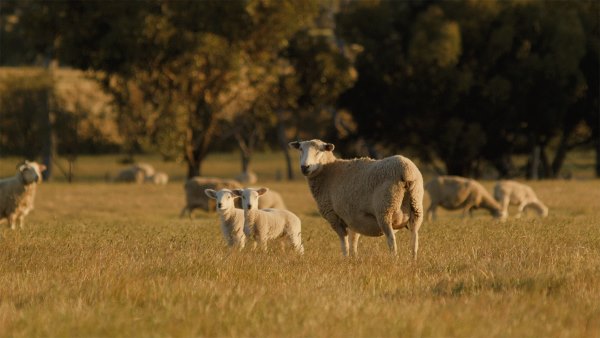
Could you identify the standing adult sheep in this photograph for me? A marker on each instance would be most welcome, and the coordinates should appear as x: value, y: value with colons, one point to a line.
x: 17, y: 193
x: 364, y: 196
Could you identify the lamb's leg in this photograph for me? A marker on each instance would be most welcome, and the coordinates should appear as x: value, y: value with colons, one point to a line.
x: 21, y: 220
x: 520, y: 209
x: 12, y: 221
x: 354, y: 236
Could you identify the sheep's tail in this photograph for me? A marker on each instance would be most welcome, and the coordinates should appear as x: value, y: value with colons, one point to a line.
x: 415, y: 193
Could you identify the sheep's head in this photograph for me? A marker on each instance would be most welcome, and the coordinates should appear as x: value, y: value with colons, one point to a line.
x: 31, y: 172
x: 250, y: 197
x: 314, y: 154
x: 225, y: 198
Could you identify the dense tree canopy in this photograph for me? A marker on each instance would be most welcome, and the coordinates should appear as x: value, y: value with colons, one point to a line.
x: 466, y: 82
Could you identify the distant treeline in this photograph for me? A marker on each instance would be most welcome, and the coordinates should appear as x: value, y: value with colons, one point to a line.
x: 469, y: 84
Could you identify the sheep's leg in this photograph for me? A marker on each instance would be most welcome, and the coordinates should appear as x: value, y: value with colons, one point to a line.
x: 520, y: 209
x: 183, y: 212
x: 12, y: 221
x: 415, y: 242
x: 432, y: 212
x: 354, y: 236
x: 505, y: 203
x: 297, y: 243
x: 21, y: 221
x: 340, y: 229
x: 385, y: 223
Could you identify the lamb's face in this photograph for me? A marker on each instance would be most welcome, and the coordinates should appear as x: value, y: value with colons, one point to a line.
x: 250, y: 197
x: 31, y: 172
x: 225, y: 198
x: 313, y: 155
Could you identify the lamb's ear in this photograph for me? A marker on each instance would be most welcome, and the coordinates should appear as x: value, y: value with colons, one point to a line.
x: 295, y: 145
x: 237, y: 192
x: 20, y: 165
x: 328, y: 147
x: 211, y: 193
x: 42, y: 167
x: 262, y: 191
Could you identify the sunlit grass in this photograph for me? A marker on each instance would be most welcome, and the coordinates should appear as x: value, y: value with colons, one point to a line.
x: 99, y: 259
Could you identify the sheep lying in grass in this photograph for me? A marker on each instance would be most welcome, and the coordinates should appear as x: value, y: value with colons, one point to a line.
x: 510, y: 192
x: 195, y: 197
x: 232, y: 219
x: 454, y: 192
x: 364, y: 196
x: 159, y: 178
x: 17, y: 193
x: 267, y: 224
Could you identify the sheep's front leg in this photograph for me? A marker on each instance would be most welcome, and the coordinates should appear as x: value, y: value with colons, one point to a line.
x: 340, y: 229
x: 520, y: 209
x: 354, y: 236
x: 12, y: 221
x: 21, y: 220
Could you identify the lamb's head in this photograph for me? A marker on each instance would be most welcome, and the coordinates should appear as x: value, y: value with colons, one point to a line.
x: 250, y: 197
x: 314, y: 154
x: 225, y: 198
x: 30, y: 172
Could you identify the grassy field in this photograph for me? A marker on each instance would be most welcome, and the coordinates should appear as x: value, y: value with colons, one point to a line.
x: 100, y: 259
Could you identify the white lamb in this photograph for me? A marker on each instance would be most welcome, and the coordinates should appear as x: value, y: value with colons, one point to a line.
x: 17, y: 193
x: 159, y: 178
x: 267, y: 224
x: 364, y: 196
x: 510, y: 192
x: 232, y: 219
x: 454, y: 192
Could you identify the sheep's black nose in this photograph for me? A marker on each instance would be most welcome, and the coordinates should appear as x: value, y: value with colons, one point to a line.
x: 219, y: 205
x: 304, y: 169
x: 249, y: 206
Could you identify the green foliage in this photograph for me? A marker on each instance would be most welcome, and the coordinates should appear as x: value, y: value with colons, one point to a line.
x: 464, y: 81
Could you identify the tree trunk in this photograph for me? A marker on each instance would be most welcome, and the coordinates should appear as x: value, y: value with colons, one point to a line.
x: 49, y: 144
x: 200, y: 132
x: 559, y: 157
x: 283, y: 143
x: 598, y: 146
x: 534, y: 163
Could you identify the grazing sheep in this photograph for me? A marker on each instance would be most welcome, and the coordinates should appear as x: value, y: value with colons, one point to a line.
x: 232, y: 219
x: 159, y: 178
x: 454, y: 192
x: 137, y: 173
x: 271, y: 199
x: 17, y: 193
x: 510, y: 192
x: 267, y: 224
x: 195, y: 197
x: 364, y: 196
x: 247, y: 177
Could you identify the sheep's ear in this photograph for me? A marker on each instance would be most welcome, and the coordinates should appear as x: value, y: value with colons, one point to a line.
x: 237, y: 192
x: 20, y: 165
x: 42, y: 167
x: 262, y: 191
x: 211, y: 193
x: 328, y: 147
x: 295, y: 145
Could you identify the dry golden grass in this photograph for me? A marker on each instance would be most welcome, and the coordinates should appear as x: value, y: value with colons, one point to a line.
x: 99, y: 259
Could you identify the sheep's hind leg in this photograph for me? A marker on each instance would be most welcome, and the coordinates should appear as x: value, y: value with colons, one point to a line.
x: 354, y: 236
x: 388, y: 231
